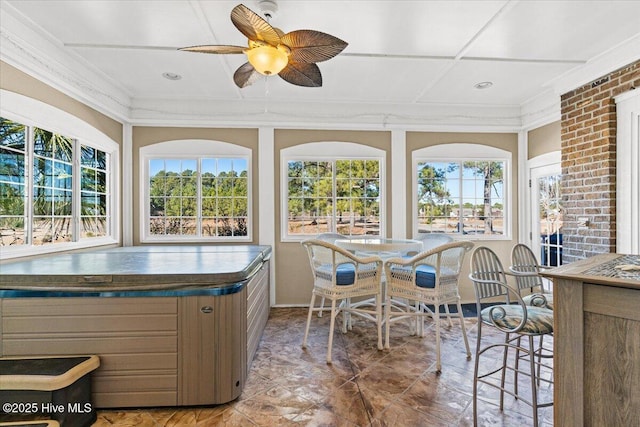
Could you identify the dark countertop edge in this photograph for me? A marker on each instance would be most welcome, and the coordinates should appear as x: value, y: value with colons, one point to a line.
x: 575, y: 271
x: 84, y: 293
x: 143, y: 281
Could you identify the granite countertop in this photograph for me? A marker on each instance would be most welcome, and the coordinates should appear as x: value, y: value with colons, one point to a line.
x: 620, y: 270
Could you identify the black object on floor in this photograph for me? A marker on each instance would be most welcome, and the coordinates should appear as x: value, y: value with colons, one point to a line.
x: 58, y: 388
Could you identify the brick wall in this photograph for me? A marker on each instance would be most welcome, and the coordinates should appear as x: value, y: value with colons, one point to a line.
x: 588, y: 135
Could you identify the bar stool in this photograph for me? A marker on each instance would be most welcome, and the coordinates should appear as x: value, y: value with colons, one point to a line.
x: 506, y: 311
x: 525, y: 268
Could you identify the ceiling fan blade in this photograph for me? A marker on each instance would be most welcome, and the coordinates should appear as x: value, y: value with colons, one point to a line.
x: 302, y: 74
x: 253, y: 26
x: 245, y: 75
x: 214, y: 49
x: 312, y: 46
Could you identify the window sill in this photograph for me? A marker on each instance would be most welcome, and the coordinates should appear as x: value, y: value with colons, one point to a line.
x: 10, y: 253
x: 176, y: 239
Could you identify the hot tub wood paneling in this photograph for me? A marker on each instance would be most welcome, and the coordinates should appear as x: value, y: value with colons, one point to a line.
x: 136, y: 339
x: 257, y: 311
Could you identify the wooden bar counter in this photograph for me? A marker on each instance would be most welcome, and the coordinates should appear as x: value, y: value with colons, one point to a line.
x: 597, y: 341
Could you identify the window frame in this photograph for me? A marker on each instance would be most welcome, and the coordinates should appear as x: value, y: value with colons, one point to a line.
x: 317, y: 152
x: 36, y: 114
x: 473, y: 152
x: 193, y: 149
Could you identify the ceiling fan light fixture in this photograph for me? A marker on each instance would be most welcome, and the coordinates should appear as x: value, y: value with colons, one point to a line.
x: 292, y: 55
x: 268, y: 60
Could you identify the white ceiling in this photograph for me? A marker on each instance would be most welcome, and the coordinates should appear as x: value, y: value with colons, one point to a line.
x: 413, y: 62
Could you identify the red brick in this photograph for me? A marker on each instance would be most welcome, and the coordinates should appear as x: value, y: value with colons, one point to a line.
x: 593, y: 136
x: 602, y: 126
x: 612, y: 83
x: 604, y: 97
x: 625, y: 78
x: 593, y: 151
x: 584, y: 117
x: 621, y: 89
x: 572, y: 98
x: 574, y: 113
x: 583, y: 131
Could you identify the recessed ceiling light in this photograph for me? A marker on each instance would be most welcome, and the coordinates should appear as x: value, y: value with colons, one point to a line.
x: 171, y: 76
x: 483, y: 85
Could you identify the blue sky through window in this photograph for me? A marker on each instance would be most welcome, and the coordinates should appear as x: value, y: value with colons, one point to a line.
x: 472, y: 183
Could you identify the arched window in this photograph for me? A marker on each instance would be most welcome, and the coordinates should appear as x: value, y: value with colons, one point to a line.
x: 332, y: 187
x: 195, y: 190
x: 58, y: 180
x: 462, y: 189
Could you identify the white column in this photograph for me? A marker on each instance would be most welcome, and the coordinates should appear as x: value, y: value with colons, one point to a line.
x: 524, y: 202
x: 266, y: 198
x: 398, y: 184
x: 628, y: 177
x: 127, y: 183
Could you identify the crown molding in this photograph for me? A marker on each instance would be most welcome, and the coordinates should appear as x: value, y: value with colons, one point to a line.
x: 541, y: 110
x: 38, y: 54
x: 204, y: 112
x: 615, y: 58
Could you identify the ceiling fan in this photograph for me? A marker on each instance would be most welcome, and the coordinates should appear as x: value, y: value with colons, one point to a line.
x: 292, y: 56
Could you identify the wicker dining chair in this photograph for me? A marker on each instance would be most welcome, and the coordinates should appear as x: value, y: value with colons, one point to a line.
x: 433, y: 240
x: 506, y: 312
x: 331, y: 238
x: 338, y: 276
x: 430, y: 280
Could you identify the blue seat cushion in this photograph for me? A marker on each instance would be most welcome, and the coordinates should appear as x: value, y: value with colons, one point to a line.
x: 425, y: 276
x: 345, y: 273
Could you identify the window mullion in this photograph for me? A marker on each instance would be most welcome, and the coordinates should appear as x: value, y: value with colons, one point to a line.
x: 109, y: 194
x: 29, y: 181
x: 199, y: 198
x: 461, y: 199
x: 334, y: 197
x: 76, y: 200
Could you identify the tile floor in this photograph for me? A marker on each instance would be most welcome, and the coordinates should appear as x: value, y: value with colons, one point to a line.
x: 289, y: 386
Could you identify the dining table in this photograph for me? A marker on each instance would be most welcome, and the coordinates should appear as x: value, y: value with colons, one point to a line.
x: 383, y: 247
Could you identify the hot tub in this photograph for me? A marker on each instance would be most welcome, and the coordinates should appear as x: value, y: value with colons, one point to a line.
x: 172, y: 325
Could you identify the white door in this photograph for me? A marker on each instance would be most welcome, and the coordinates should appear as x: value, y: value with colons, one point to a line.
x: 546, y: 213
x: 628, y: 177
